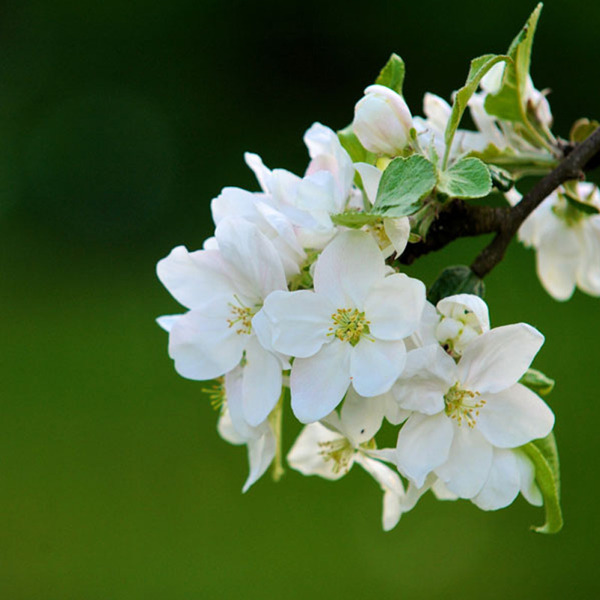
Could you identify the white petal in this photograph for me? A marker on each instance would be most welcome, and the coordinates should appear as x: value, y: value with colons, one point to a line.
x: 447, y: 306
x: 423, y: 444
x: 261, y: 383
x: 203, y: 346
x: 425, y: 334
x: 398, y: 232
x: 469, y: 462
x: 348, y: 268
x: 394, y: 307
x: 502, y: 485
x: 387, y: 478
x: 263, y: 175
x: 227, y: 431
x: 514, y: 417
x: 427, y: 376
x: 371, y: 176
x: 361, y: 417
x: 166, y: 322
x: 195, y: 278
x: 251, y: 256
x: 260, y: 455
x: 235, y: 407
x: 234, y: 202
x: 375, y: 365
x: 319, y: 383
x: 499, y: 358
x: 558, y: 258
x: 441, y: 492
x: 299, y: 322
x: 588, y: 272
x: 529, y: 489
x: 306, y: 455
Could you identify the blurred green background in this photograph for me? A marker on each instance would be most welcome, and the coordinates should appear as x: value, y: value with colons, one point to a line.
x: 119, y: 121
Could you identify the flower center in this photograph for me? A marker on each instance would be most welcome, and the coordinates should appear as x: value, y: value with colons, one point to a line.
x: 349, y: 325
x: 339, y: 451
x: 462, y: 405
x: 241, y: 317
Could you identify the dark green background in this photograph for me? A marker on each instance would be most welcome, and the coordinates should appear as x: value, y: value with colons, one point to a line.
x: 119, y: 121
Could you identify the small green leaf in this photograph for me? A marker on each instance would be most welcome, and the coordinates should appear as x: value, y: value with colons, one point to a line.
x: 353, y: 147
x: 582, y: 129
x: 538, y: 382
x: 544, y: 455
x: 404, y: 183
x: 584, y: 207
x: 468, y: 178
x: 392, y: 75
x: 354, y: 219
x: 458, y: 279
x: 509, y: 102
x: 479, y: 67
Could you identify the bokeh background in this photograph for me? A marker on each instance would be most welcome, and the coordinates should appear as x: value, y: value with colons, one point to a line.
x: 119, y: 121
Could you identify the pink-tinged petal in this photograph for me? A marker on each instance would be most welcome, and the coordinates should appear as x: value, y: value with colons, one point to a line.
x: 361, y: 417
x: 469, y: 462
x: 427, y: 376
x: 423, y: 445
x: 299, y: 322
x: 502, y: 485
x: 319, y: 383
x: 261, y: 383
x: 348, y: 268
x: 195, y: 278
x: 394, y: 307
x: 514, y: 417
x: 528, y: 486
x: 204, y: 347
x: 260, y: 456
x: 375, y: 365
x: 558, y: 257
x: 251, y: 256
x: 307, y: 454
x: 498, y: 358
x: 370, y: 176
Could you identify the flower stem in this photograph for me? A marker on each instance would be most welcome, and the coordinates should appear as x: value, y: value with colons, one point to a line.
x: 276, y: 422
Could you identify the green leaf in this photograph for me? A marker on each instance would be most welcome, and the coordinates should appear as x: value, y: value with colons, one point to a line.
x: 403, y: 185
x: 392, y: 75
x: 458, y: 279
x: 353, y: 147
x: 479, y: 67
x: 509, y: 102
x: 354, y: 219
x: 468, y: 178
x: 584, y: 207
x: 538, y: 382
x: 544, y: 455
x: 582, y: 129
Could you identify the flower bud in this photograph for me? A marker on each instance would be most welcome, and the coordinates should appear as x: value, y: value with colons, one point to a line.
x: 382, y: 121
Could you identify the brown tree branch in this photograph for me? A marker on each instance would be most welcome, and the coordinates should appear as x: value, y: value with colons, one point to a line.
x: 461, y: 219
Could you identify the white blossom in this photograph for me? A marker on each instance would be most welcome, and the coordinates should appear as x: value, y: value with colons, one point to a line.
x: 350, y: 329
x: 464, y: 411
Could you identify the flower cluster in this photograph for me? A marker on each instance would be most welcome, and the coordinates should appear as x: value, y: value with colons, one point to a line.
x: 284, y: 299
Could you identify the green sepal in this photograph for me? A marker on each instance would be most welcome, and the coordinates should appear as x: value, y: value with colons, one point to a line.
x: 351, y: 144
x: 537, y: 382
x: 544, y: 455
x: 479, y: 67
x: 458, y: 279
x: 392, y: 74
x: 403, y: 185
x: 468, y: 178
x: 509, y: 102
x: 582, y: 129
x: 575, y: 201
x: 517, y: 164
x: 354, y: 219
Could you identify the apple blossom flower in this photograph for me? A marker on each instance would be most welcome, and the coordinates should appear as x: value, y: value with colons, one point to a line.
x: 349, y: 330
x: 223, y: 290
x: 566, y: 240
x: 382, y: 121
x: 464, y: 411
x: 329, y: 449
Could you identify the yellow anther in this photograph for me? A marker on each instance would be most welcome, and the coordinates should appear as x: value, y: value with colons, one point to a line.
x: 349, y: 325
x: 462, y: 405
